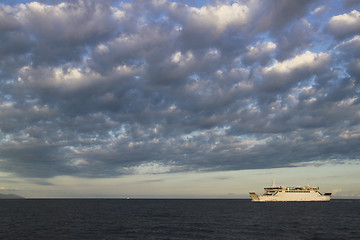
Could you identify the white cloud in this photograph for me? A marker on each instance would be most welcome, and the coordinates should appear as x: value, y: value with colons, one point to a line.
x: 260, y: 48
x: 351, y: 18
x: 222, y: 16
x: 153, y: 167
x: 319, y: 10
x: 118, y: 13
x: 66, y: 79
x: 345, y: 24
x: 182, y: 59
x: 295, y: 69
x: 259, y: 51
x: 308, y: 60
x: 214, y: 18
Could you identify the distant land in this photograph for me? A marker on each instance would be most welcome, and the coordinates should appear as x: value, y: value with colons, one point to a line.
x: 10, y: 196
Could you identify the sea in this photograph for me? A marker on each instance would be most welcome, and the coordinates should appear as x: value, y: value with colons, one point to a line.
x: 177, y: 219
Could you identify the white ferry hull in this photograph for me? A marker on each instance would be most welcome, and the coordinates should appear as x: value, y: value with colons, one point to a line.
x: 291, y: 197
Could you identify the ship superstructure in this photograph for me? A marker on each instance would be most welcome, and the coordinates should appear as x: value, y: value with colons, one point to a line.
x: 284, y: 194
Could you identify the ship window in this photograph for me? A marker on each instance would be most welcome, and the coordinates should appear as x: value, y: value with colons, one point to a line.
x: 298, y: 191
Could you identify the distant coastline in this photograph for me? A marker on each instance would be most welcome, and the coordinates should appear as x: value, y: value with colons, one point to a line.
x: 10, y: 196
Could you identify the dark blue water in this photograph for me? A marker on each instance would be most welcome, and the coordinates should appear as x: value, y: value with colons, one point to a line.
x: 177, y: 219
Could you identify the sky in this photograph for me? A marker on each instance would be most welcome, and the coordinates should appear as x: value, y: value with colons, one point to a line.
x: 189, y: 99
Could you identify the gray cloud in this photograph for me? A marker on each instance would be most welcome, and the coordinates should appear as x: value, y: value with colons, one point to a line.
x: 101, y: 89
x: 277, y: 14
x: 351, y: 3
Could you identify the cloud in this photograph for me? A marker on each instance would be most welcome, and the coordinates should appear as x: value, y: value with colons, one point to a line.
x: 260, y: 52
x: 319, y: 10
x: 73, y: 26
x: 351, y: 3
x: 350, y: 52
x: 350, y: 47
x: 353, y: 69
x: 208, y: 18
x: 294, y: 70
x: 275, y: 15
x: 344, y: 25
x: 220, y: 17
x: 104, y: 89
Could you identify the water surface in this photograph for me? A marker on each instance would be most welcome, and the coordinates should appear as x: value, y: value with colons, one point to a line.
x: 177, y: 219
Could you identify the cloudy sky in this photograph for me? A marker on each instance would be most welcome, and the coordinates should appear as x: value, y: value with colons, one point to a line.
x: 178, y: 98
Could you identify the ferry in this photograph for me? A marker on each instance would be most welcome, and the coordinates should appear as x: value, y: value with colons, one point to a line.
x: 290, y: 194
